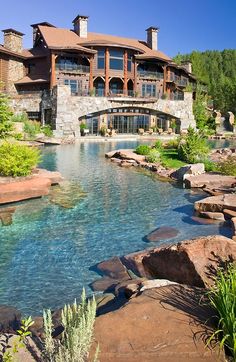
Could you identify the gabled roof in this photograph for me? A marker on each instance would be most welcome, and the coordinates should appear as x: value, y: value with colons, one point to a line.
x: 58, y: 38
x: 36, y: 52
x: 11, y: 53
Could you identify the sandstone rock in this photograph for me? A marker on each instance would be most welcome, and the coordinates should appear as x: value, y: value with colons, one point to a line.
x: 54, y: 176
x: 22, y: 190
x: 233, y: 221
x: 6, y: 214
x: 30, y: 354
x: 229, y: 213
x: 49, y: 140
x: 193, y: 262
x: 104, y: 284
x: 125, y: 155
x: 160, y: 325
x: 213, y: 215
x: 155, y: 283
x: 161, y: 233
x: 114, y: 269
x: 10, y: 319
x: 67, y: 194
x: 216, y: 203
x: 189, y: 170
x: 123, y: 288
x: 203, y: 221
x: 210, y: 180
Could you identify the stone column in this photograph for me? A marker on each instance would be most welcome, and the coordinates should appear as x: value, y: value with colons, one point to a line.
x: 125, y: 86
x: 53, y: 71
x: 106, y: 72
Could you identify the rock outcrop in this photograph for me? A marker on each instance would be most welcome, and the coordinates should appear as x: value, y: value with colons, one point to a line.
x: 193, y: 262
x: 216, y: 203
x: 161, y: 325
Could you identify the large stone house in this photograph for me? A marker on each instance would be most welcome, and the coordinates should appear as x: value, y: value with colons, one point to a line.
x: 74, y: 76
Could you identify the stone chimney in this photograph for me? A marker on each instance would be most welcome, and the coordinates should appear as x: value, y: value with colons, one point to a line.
x: 13, y: 40
x: 152, y: 37
x: 81, y: 26
x: 187, y: 65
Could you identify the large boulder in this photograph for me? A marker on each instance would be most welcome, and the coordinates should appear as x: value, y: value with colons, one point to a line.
x: 10, y: 319
x: 127, y: 154
x: 193, y: 262
x: 188, y: 171
x: 210, y: 181
x: 216, y: 203
x: 161, y: 325
x: 161, y: 233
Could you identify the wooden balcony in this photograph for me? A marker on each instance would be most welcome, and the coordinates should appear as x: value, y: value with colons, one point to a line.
x: 146, y: 74
x: 73, y: 68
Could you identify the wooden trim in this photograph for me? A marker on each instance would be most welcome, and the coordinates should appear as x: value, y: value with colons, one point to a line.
x: 107, y: 58
x: 53, y: 70
x: 135, y: 75
x: 91, y: 61
x: 165, y: 79
x: 125, y: 86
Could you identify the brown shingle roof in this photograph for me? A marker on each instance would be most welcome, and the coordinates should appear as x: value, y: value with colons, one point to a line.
x: 34, y: 53
x: 9, y: 52
x: 58, y: 38
x: 33, y: 79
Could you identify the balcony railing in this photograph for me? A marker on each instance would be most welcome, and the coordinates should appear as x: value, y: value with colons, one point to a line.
x: 176, y: 96
x: 73, y: 68
x: 178, y: 80
x: 150, y: 74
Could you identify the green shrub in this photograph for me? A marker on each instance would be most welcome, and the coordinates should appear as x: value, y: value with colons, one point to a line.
x: 158, y: 145
x: 6, y: 126
x: 228, y: 167
x: 143, y: 150
x: 78, y: 322
x: 210, y: 166
x: 172, y: 144
x: 47, y: 130
x: 223, y: 299
x: 193, y: 147
x: 153, y: 156
x: 20, y: 117
x: 32, y: 128
x: 17, y: 160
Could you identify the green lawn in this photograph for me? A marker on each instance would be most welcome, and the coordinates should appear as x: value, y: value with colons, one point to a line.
x: 170, y: 159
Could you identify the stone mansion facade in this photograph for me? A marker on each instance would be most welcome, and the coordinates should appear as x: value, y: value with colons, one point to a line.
x: 74, y: 76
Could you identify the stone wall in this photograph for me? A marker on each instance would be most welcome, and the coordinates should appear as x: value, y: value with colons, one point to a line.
x: 16, y: 72
x: 69, y: 109
x: 26, y: 103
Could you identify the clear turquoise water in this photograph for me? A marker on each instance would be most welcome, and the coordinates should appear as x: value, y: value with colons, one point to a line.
x: 47, y: 252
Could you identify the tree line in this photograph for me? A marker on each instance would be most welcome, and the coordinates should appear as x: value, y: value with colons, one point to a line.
x: 217, y: 69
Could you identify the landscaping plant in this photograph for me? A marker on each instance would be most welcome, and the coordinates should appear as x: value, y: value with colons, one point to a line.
x: 193, y: 147
x: 153, y: 156
x: 143, y: 150
x: 32, y: 128
x: 158, y: 145
x: 17, y: 160
x: 223, y: 299
x: 228, y: 166
x: 78, y: 322
x: 5, y: 117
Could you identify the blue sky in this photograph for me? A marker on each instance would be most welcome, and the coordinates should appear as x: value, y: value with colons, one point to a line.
x: 185, y: 25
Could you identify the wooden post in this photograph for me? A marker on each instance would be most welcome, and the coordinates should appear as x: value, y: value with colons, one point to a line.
x: 106, y: 72
x: 125, y: 86
x: 165, y: 79
x: 91, y: 62
x: 53, y: 71
x: 135, y: 76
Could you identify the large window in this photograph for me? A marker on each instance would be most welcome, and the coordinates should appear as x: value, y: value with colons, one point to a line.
x: 75, y: 85
x: 101, y: 59
x: 129, y: 62
x: 116, y: 59
x: 149, y: 90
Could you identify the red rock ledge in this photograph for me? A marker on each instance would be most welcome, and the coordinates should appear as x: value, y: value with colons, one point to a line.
x: 24, y: 188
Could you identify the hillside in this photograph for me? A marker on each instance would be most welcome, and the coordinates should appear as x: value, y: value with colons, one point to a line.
x: 218, y: 70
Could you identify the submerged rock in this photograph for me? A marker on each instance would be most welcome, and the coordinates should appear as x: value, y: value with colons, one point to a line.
x: 6, y: 215
x: 67, y: 194
x: 161, y: 233
x: 10, y: 319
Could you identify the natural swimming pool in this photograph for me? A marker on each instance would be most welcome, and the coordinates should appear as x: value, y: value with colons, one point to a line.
x: 47, y: 252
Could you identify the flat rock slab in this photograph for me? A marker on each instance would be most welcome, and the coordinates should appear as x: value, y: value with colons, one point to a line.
x: 209, y: 180
x: 216, y: 203
x: 127, y: 154
x: 161, y: 233
x: 160, y: 325
x: 23, y: 190
x: 114, y: 269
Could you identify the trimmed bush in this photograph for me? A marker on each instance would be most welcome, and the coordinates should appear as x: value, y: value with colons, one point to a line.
x: 143, y: 150
x: 17, y: 160
x: 153, y: 156
x: 173, y: 144
x: 47, y: 130
x: 227, y: 167
x: 193, y: 147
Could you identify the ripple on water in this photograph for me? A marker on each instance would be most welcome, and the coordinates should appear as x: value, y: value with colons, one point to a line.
x: 47, y: 253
